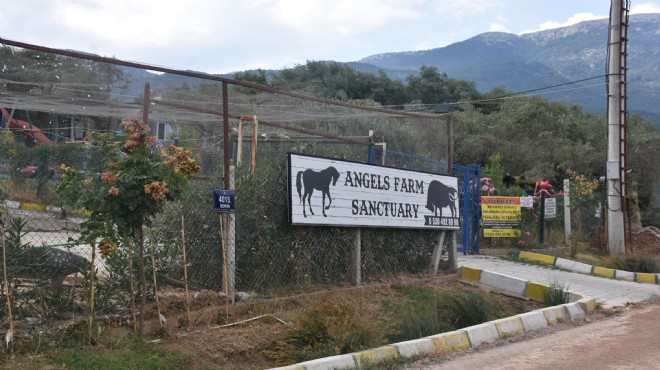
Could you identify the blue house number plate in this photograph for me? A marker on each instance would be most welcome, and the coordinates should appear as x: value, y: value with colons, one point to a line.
x: 223, y: 201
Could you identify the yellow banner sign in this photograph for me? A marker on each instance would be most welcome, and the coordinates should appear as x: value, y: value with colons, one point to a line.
x: 500, y: 216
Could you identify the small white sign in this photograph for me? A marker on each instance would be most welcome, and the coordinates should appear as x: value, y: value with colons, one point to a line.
x: 527, y: 202
x: 330, y: 192
x: 550, y: 207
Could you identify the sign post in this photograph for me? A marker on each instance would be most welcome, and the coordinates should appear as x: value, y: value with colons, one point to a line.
x: 542, y: 219
x: 567, y: 212
x: 223, y: 205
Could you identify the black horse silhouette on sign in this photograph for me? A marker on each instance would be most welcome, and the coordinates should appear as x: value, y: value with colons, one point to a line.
x: 316, y: 180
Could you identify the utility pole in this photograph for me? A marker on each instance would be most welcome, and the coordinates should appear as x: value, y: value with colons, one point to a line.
x: 616, y: 128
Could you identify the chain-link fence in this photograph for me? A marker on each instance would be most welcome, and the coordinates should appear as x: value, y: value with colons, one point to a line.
x: 53, y: 106
x: 549, y: 231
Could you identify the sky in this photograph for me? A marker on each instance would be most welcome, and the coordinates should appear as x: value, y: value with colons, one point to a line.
x: 222, y: 36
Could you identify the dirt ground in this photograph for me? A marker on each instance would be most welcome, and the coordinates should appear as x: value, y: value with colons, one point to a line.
x: 626, y: 338
x: 239, y: 346
x: 219, y: 336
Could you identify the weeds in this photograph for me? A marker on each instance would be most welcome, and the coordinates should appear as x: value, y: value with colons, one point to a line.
x: 333, y: 326
x: 427, y: 312
x: 419, y: 314
x: 636, y: 262
x: 468, y: 308
x: 125, y: 354
x: 558, y: 294
x: 337, y: 326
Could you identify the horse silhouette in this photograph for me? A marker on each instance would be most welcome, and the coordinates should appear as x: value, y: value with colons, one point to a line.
x: 313, y: 180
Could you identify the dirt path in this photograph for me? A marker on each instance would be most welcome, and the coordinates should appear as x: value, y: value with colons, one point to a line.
x: 627, y: 341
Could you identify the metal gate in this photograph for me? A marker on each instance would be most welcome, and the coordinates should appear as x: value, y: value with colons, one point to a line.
x: 469, y: 178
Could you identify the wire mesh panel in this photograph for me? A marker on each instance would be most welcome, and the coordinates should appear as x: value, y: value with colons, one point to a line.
x: 55, y: 108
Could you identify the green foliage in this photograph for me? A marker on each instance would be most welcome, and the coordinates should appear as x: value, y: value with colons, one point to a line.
x: 333, y: 326
x: 643, y: 141
x: 114, y: 288
x: 536, y: 138
x: 14, y: 234
x: 130, y: 191
x: 418, y: 315
x: 558, y: 294
x: 340, y: 81
x: 585, y: 195
x: 122, y: 354
x: 636, y: 262
x: 494, y: 170
x: 48, y: 301
x: 431, y: 87
x: 257, y: 77
x: 136, y: 179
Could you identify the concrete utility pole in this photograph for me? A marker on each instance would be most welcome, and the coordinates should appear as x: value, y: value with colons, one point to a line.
x: 616, y: 119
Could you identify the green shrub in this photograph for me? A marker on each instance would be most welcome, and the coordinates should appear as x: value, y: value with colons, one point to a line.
x: 636, y: 262
x: 333, y: 326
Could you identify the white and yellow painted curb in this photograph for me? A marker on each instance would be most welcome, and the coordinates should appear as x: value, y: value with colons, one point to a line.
x: 584, y: 268
x: 470, y: 337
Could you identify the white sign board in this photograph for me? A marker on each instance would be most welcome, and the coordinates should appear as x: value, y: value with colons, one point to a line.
x: 332, y: 192
x: 527, y: 202
x: 550, y: 207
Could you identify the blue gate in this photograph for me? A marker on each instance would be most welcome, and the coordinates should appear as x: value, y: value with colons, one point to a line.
x: 469, y: 178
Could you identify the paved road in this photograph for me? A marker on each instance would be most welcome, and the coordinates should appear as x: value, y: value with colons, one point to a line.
x: 628, y: 341
x: 608, y: 292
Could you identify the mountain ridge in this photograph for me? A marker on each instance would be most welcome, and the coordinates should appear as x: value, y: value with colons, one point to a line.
x: 520, y: 63
x: 546, y: 58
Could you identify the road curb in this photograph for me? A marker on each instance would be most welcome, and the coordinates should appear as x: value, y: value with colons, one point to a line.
x: 470, y: 337
x: 638, y: 277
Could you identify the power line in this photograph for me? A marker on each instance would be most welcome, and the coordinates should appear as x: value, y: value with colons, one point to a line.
x: 532, y: 90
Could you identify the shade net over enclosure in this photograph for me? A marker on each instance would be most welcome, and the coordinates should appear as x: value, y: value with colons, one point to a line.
x: 54, y: 106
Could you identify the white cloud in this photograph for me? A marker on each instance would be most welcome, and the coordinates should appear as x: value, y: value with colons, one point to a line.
x: 466, y: 8
x: 497, y: 27
x: 342, y: 17
x: 574, y: 19
x: 645, y: 8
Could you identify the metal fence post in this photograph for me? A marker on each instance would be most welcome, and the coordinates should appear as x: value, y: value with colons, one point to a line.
x: 542, y: 220
x: 231, y: 247
x: 567, y: 213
